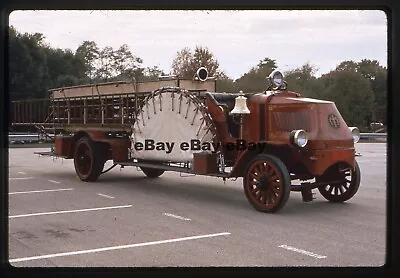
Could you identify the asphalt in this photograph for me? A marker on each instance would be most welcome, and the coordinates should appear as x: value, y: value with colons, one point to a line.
x: 126, y: 219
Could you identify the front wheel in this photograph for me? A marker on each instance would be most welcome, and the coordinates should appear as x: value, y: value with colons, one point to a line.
x: 152, y: 172
x: 344, y: 188
x: 267, y: 183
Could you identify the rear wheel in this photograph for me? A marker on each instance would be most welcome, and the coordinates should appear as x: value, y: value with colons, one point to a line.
x: 267, y: 183
x: 89, y: 159
x: 347, y: 182
x: 152, y: 172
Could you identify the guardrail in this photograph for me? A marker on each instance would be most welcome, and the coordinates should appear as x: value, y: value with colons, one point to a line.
x: 25, y: 138
x: 372, y: 135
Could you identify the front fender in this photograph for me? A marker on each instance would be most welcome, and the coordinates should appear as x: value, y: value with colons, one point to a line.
x: 245, y: 156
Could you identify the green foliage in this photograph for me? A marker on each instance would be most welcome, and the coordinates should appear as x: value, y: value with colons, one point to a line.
x: 66, y: 80
x: 151, y: 74
x: 358, y: 88
x: 303, y: 81
x: 89, y: 53
x: 225, y: 84
x: 352, y: 94
x: 63, y: 65
x: 186, y: 63
x: 28, y: 71
x: 35, y: 67
x: 376, y: 76
x: 125, y: 64
x: 256, y: 79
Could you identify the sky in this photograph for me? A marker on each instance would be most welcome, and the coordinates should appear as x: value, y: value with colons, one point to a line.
x: 238, y: 39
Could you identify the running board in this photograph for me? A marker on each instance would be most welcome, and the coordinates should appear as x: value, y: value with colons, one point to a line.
x: 53, y: 154
x: 312, y: 185
x: 170, y: 168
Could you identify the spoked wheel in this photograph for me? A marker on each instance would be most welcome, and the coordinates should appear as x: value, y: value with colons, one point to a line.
x: 151, y: 172
x: 266, y: 183
x: 88, y: 159
x: 348, y: 182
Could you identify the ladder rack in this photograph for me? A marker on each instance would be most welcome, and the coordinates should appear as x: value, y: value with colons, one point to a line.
x: 112, y: 112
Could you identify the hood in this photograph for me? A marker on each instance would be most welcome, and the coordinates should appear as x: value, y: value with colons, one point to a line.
x: 319, y: 118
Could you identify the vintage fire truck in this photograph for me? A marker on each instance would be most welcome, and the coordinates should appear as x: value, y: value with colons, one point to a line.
x: 277, y: 140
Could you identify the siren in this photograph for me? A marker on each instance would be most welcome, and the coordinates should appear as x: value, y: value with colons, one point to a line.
x: 201, y: 74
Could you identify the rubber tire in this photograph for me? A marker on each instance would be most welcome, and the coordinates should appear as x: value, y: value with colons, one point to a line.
x: 98, y: 159
x: 152, y: 172
x: 354, y: 186
x: 275, y: 161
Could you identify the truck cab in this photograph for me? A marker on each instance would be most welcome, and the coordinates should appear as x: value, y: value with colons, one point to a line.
x: 303, y: 139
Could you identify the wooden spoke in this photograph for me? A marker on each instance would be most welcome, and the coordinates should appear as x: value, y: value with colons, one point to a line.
x: 254, y: 176
x: 336, y: 190
x: 274, y: 177
x: 263, y: 183
x: 253, y: 182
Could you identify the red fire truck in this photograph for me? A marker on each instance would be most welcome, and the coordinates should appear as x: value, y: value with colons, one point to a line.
x: 271, y: 139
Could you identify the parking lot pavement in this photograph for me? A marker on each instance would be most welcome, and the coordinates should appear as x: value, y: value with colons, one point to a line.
x: 125, y: 219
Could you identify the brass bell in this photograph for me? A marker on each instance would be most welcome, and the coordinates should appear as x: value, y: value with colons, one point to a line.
x: 240, y: 106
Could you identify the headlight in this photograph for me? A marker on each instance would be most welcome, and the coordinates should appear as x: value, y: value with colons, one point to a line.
x: 299, y: 138
x: 276, y: 78
x: 356, y: 134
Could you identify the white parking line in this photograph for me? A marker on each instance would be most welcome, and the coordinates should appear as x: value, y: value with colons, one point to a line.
x: 40, y: 191
x: 54, y: 181
x: 116, y: 247
x: 104, y: 195
x: 302, y: 251
x: 25, y: 178
x: 67, y: 211
x: 177, y: 216
x: 22, y: 173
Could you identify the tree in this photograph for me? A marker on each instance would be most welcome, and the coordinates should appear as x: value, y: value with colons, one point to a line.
x: 28, y: 71
x: 35, y: 66
x: 225, y: 84
x: 125, y: 64
x: 266, y: 66
x: 66, y: 80
x: 255, y: 80
x: 152, y: 73
x: 186, y: 63
x: 376, y: 75
x: 202, y: 57
x: 104, y: 71
x: 352, y: 94
x: 302, y: 80
x: 108, y: 64
x: 89, y: 52
x: 347, y: 65
x: 182, y: 62
x: 64, y: 65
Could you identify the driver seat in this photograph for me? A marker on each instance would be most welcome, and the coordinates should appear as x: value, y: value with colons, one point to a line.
x: 227, y: 102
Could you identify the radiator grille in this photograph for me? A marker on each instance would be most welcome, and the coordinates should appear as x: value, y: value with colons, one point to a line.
x: 288, y: 121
